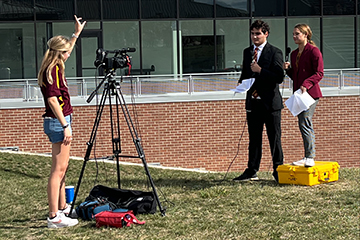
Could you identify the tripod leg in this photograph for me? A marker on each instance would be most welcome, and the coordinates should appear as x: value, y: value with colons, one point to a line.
x: 118, y: 171
x: 137, y: 143
x: 91, y: 142
x: 142, y: 156
x: 116, y: 143
x: 77, y: 187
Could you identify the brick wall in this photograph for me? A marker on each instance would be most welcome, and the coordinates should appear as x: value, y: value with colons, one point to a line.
x: 195, y: 134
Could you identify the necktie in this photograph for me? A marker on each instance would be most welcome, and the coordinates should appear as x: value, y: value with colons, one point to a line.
x: 255, y: 54
x: 255, y: 94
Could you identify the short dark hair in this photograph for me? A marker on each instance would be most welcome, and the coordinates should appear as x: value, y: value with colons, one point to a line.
x: 263, y: 26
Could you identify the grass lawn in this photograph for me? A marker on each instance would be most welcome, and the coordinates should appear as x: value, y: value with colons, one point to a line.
x: 199, y: 205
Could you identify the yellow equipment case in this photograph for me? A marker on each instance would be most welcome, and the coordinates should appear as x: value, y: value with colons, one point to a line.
x: 322, y: 172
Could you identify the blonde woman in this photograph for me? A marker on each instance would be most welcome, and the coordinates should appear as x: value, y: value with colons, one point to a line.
x: 306, y: 70
x: 57, y: 122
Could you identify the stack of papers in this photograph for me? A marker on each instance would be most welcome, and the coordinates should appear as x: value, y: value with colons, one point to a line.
x: 299, y: 102
x: 244, y: 86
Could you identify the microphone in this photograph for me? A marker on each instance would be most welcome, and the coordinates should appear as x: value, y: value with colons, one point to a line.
x: 288, y: 51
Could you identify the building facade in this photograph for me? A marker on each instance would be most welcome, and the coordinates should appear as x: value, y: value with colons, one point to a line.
x: 171, y: 36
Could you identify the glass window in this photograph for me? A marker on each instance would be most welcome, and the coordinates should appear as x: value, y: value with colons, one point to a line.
x: 41, y: 42
x: 91, y: 25
x: 17, y: 10
x: 277, y: 33
x: 314, y: 24
x: 89, y: 46
x: 17, y: 58
x: 45, y: 31
x: 66, y: 29
x: 304, y: 8
x: 159, y: 39
x: 339, y: 7
x: 89, y: 9
x: 225, y: 8
x: 121, y: 9
x: 196, y: 8
x: 118, y: 35
x: 268, y: 8
x: 338, y: 52
x: 235, y: 34
x: 197, y: 46
x: 158, y: 9
x: 54, y: 9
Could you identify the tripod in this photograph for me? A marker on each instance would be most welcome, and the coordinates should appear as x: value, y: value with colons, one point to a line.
x: 112, y: 88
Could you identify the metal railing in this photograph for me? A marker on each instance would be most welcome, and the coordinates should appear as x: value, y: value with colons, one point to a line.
x: 28, y: 90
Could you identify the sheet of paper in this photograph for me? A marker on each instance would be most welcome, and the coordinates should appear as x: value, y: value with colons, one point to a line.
x: 299, y: 102
x: 244, y: 86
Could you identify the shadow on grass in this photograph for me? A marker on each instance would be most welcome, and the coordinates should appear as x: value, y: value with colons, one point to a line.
x: 260, y: 183
x: 21, y: 173
x: 163, y: 182
x: 25, y: 223
x: 188, y: 183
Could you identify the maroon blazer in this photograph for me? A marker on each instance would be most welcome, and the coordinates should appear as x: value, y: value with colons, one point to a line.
x: 309, y: 72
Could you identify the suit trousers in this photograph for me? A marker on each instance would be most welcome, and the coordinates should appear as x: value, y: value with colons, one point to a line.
x: 256, y: 118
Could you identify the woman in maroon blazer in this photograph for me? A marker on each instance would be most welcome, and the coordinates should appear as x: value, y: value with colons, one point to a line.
x: 306, y: 70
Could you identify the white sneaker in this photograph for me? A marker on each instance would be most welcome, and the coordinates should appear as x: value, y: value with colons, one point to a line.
x: 300, y: 162
x: 309, y: 162
x: 61, y: 221
x: 66, y: 211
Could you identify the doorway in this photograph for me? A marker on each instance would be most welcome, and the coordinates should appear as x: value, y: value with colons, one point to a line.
x: 88, y: 42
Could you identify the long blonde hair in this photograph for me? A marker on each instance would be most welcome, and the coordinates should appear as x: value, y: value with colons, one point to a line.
x: 305, y: 29
x: 52, y: 57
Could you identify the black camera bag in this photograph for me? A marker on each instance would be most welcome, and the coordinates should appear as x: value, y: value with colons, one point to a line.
x: 137, y: 201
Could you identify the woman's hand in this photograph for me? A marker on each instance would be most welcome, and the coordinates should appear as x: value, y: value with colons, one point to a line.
x: 303, y: 89
x: 67, y: 136
x: 286, y: 65
x: 78, y: 25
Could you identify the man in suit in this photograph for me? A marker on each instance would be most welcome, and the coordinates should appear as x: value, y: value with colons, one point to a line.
x: 263, y: 62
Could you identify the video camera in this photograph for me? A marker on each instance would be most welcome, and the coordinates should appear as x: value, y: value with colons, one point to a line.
x: 119, y: 60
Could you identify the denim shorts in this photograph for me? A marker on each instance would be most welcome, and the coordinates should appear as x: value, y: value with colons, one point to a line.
x: 54, y: 130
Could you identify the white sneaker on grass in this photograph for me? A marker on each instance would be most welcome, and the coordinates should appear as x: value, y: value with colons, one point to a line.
x: 61, y: 221
x: 309, y: 162
x: 300, y: 162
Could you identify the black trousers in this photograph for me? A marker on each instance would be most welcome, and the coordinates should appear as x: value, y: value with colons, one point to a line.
x: 256, y: 118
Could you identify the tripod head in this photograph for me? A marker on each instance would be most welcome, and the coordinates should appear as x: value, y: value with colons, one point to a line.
x: 110, y: 76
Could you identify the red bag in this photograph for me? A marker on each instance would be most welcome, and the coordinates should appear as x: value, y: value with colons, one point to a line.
x: 116, y: 219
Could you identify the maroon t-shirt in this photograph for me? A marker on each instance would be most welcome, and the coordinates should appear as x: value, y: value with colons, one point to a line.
x: 58, y: 90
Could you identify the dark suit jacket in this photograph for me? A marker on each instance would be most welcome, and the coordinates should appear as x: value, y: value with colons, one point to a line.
x: 309, y: 72
x: 267, y: 82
